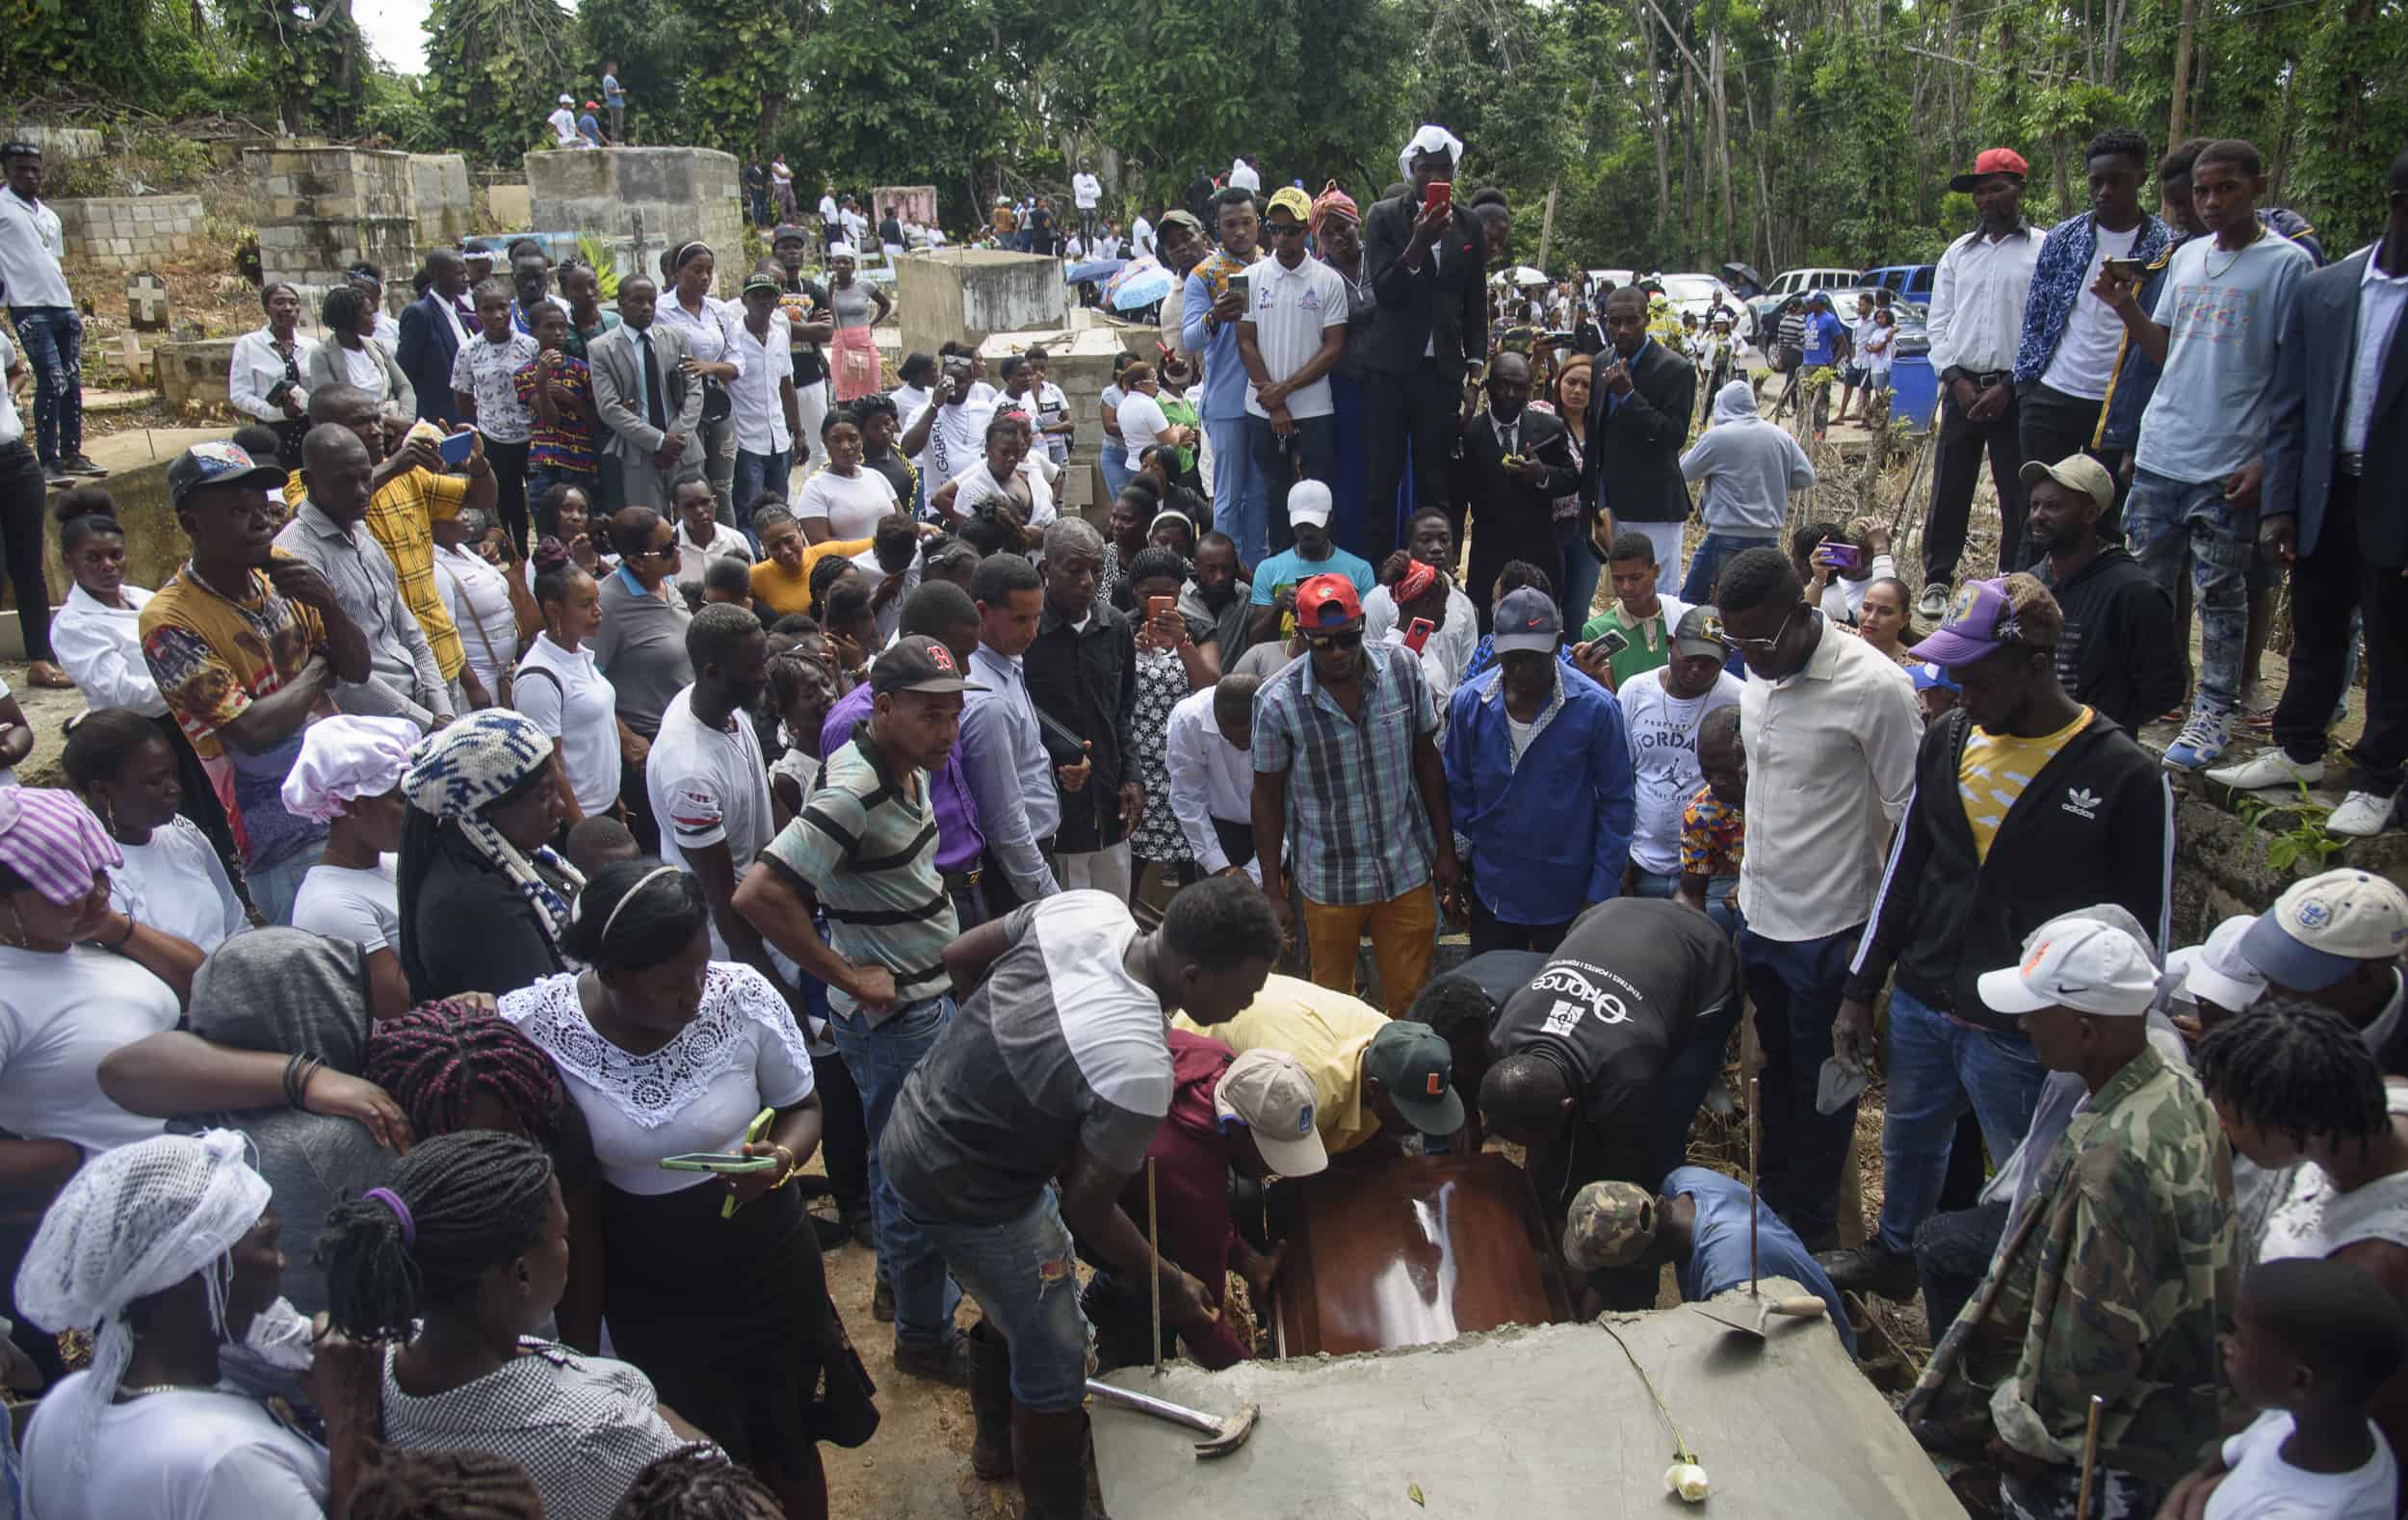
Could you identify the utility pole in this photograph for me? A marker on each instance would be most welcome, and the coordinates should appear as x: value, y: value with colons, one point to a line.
x: 1547, y: 227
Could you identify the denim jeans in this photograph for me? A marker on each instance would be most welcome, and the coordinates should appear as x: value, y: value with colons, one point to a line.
x: 1937, y: 1069
x: 53, y: 339
x: 1114, y: 463
x: 1795, y: 986
x: 1667, y: 884
x: 273, y: 888
x: 1313, y: 445
x: 1704, y: 567
x: 1238, y: 508
x: 754, y: 474
x: 2167, y: 519
x: 1577, y: 574
x: 1025, y: 1275
x: 879, y: 1057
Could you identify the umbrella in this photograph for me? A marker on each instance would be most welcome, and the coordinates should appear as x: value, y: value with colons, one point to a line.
x: 1141, y: 283
x: 1522, y: 274
x: 1738, y: 272
x: 1096, y: 269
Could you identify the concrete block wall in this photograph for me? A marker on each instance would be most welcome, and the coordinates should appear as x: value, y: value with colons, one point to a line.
x: 1081, y: 363
x: 56, y: 142
x: 192, y: 377
x: 641, y: 200
x: 323, y: 209
x: 439, y: 190
x: 970, y: 294
x: 130, y: 231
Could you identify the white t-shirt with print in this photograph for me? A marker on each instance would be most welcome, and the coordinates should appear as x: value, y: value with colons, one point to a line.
x: 346, y: 903
x: 2223, y: 313
x: 708, y: 786
x: 1663, y: 759
x: 2085, y: 360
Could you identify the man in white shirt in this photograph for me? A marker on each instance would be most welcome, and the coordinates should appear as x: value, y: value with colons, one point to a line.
x: 1975, y: 324
x: 1086, y: 195
x: 1205, y: 749
x: 1142, y: 236
x: 44, y: 309
x: 701, y: 536
x: 1292, y: 333
x: 1001, y: 743
x: 1664, y: 709
x: 762, y: 400
x: 1243, y: 175
x: 1831, y: 729
x: 563, y: 120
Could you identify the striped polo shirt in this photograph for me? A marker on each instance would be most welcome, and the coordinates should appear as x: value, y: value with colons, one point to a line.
x: 865, y: 845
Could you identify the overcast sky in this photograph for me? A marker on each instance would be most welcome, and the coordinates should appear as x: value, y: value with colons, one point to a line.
x: 396, y: 29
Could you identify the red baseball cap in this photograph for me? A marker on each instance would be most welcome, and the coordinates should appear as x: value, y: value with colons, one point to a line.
x: 1327, y: 601
x: 1992, y: 161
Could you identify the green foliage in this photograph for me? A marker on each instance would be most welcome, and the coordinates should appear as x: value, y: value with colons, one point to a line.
x: 605, y: 269
x: 2296, y: 840
x: 312, y: 62
x: 737, y: 102
x: 494, y: 68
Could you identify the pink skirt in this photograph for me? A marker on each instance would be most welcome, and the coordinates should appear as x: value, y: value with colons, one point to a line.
x: 856, y: 364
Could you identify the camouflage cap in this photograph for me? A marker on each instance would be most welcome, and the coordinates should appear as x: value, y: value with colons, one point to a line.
x: 1611, y: 1224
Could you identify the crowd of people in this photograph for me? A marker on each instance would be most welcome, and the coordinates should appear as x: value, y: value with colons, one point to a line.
x: 899, y: 809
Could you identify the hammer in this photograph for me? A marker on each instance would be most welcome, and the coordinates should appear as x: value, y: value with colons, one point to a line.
x: 1226, y: 1435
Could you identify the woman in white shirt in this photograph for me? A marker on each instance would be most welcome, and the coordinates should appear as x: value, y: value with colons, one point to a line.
x: 264, y: 379
x: 451, y: 1268
x: 997, y: 478
x: 487, y: 604
x: 561, y: 692
x: 352, y: 356
x: 170, y: 876
x: 98, y: 638
x: 843, y: 500
x: 1142, y: 424
x: 347, y: 776
x: 713, y: 356
x: 169, y: 1248
x: 666, y: 1052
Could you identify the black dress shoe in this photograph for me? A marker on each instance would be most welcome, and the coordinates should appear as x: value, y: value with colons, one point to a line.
x: 1870, y: 1269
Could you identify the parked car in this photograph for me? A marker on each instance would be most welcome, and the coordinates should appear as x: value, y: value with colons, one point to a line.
x: 1704, y: 295
x: 1910, y: 281
x: 1790, y: 282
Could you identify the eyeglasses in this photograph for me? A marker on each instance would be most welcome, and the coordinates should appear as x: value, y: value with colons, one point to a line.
x: 1764, y: 646
x: 1285, y: 229
x: 1344, y: 639
x: 664, y: 551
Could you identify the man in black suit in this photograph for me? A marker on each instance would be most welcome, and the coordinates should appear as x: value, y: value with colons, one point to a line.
x: 1639, y: 414
x: 1516, y: 463
x: 1430, y: 274
x: 2336, y: 510
x: 431, y: 337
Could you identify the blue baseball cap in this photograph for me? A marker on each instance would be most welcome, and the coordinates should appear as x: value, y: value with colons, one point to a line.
x: 1929, y: 676
x: 1526, y: 620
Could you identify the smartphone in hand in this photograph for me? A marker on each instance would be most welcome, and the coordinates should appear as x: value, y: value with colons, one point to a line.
x: 456, y: 447
x: 1417, y: 633
x: 1441, y: 193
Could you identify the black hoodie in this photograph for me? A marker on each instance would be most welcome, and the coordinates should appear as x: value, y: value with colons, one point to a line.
x: 2121, y: 653
x: 2095, y: 825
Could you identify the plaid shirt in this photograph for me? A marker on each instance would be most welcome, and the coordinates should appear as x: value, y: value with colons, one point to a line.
x: 1712, y: 836
x: 1357, y: 831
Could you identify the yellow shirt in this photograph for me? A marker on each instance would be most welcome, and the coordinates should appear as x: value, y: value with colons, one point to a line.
x: 398, y: 518
x: 1326, y: 1032
x: 1995, y: 769
x: 787, y: 594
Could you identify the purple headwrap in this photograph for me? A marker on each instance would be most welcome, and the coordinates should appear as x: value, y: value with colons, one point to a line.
x: 51, y: 839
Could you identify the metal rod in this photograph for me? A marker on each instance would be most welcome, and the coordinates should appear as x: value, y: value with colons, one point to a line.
x: 1755, y: 1139
x: 2089, y: 1460
x: 1154, y: 1259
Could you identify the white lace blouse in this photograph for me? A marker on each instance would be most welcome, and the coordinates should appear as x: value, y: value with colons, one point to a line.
x: 742, y: 1054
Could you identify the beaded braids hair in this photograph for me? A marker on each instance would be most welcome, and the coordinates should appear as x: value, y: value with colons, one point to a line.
x: 438, y: 1057
x: 696, y: 1482
x: 447, y: 1485
x: 475, y: 1200
x: 2296, y: 1068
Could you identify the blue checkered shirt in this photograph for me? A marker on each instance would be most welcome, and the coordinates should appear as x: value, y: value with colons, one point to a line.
x: 1357, y: 831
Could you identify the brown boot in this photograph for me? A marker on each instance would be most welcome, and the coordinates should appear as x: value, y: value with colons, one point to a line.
x: 1050, y: 1456
x: 990, y: 1402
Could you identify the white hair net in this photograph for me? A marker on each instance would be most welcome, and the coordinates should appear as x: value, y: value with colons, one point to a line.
x: 134, y: 1221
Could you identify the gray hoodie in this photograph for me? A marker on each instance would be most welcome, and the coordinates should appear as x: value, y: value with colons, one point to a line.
x: 1749, y: 467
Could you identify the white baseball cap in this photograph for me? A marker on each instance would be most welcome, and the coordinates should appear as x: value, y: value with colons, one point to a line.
x: 1269, y: 1092
x: 2215, y: 972
x: 2322, y: 929
x: 568, y: 100
x: 1308, y: 501
x: 2078, y: 963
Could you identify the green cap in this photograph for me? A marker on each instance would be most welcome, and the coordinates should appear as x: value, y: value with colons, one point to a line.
x: 1418, y: 1069
x: 1610, y: 1224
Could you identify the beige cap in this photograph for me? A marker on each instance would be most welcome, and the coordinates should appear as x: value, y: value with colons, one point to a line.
x: 1269, y: 1092
x: 1610, y: 1224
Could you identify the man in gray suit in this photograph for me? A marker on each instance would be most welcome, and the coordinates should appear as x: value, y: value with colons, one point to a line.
x: 647, y: 399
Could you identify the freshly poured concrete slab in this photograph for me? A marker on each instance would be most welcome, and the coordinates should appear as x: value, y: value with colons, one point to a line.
x: 1518, y: 1423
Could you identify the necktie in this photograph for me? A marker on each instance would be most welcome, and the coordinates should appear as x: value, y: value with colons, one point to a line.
x: 653, y: 411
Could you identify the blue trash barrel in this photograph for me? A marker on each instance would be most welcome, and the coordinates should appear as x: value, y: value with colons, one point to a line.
x: 1914, y: 390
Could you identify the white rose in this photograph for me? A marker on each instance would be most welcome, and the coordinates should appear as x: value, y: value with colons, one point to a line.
x: 1688, y: 1480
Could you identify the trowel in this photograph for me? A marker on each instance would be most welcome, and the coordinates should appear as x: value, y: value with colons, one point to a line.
x: 1805, y: 1307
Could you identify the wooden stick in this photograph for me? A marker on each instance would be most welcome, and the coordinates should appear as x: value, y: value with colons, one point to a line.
x: 1154, y: 1257
x: 1755, y: 1139
x: 2089, y: 1460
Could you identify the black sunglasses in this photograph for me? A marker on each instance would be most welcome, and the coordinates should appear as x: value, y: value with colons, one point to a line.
x: 1344, y: 639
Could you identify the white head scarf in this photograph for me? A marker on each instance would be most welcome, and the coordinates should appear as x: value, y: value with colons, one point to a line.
x: 134, y: 1221
x: 343, y: 759
x: 1429, y: 140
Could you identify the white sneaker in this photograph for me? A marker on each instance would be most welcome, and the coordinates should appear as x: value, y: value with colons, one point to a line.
x: 2361, y: 814
x: 1934, y: 604
x: 2267, y: 768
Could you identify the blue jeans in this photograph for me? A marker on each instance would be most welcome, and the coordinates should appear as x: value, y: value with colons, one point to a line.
x: 2165, y: 520
x: 756, y: 473
x: 1667, y: 884
x: 1937, y: 1069
x: 1314, y: 444
x: 1024, y: 1274
x: 879, y: 1057
x: 273, y: 888
x: 1238, y: 508
x: 1577, y: 574
x: 1114, y: 463
x: 1705, y: 565
x: 1795, y: 986
x: 53, y: 337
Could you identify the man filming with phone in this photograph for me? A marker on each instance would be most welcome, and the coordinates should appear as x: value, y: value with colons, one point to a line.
x: 1429, y: 273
